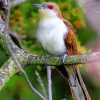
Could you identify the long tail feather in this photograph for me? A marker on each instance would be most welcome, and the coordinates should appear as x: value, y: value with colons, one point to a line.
x: 77, y: 86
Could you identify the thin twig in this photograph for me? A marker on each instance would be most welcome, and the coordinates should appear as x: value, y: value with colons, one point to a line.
x: 13, y: 55
x: 49, y: 82
x: 2, y: 24
x: 17, y: 2
x: 98, y: 12
x: 93, y: 4
x: 41, y: 83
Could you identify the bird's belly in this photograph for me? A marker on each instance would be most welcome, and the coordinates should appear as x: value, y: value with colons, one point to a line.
x: 54, y: 45
x: 52, y: 37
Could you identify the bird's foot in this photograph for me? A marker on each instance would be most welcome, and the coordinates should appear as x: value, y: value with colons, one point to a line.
x: 63, y: 57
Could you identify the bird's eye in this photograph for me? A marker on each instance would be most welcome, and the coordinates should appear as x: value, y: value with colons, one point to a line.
x: 50, y: 6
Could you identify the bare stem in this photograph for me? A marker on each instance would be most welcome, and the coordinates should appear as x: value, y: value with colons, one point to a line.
x: 17, y: 2
x: 39, y: 79
x: 49, y: 82
x: 93, y: 4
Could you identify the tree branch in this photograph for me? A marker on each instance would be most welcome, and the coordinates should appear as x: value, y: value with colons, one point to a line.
x: 10, y: 68
x: 70, y: 60
x: 17, y: 2
x: 7, y: 71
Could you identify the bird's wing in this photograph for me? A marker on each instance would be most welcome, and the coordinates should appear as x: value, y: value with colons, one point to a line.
x: 69, y: 25
x: 70, y: 39
x: 75, y: 80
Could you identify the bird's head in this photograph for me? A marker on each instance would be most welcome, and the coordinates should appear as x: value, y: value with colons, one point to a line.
x: 48, y: 9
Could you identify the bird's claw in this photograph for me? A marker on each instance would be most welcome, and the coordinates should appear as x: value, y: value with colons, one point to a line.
x: 63, y: 57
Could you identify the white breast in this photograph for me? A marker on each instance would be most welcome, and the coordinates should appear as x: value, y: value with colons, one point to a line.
x: 51, y: 35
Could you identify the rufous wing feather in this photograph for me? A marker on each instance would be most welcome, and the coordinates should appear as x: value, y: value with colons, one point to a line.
x: 72, y: 74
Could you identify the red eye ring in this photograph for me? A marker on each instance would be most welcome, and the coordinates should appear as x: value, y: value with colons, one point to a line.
x: 50, y: 6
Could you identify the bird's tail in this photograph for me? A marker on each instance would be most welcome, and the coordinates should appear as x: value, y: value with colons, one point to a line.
x: 77, y: 86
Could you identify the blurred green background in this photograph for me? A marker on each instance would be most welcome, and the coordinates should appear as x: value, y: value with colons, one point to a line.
x: 23, y: 20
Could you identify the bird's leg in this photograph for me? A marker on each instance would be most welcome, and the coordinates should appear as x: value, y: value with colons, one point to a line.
x: 63, y: 57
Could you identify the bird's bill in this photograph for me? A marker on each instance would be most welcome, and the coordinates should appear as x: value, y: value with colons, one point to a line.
x: 38, y: 5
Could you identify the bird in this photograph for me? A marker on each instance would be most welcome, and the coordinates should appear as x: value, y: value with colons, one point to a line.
x: 57, y: 37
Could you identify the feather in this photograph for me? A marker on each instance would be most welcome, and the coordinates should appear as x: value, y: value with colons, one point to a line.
x: 72, y: 73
